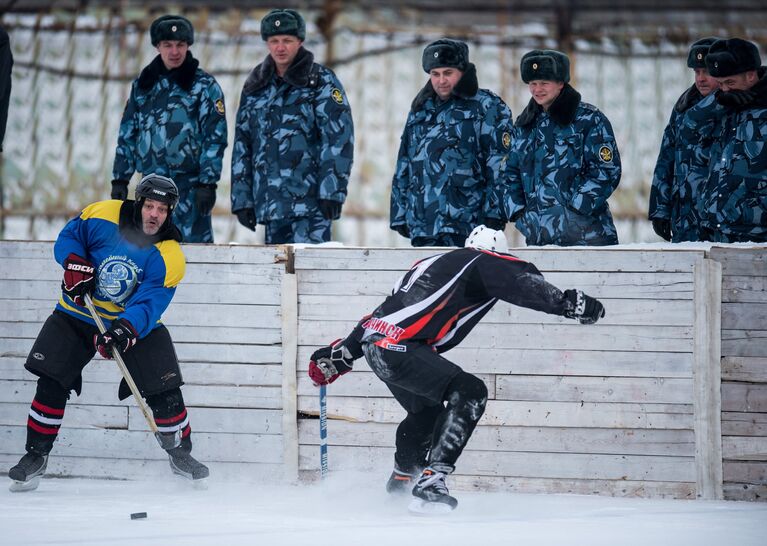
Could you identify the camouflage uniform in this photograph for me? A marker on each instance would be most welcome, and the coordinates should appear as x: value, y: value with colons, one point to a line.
x: 174, y: 125
x: 293, y: 146
x: 563, y: 166
x: 451, y: 154
x: 733, y: 197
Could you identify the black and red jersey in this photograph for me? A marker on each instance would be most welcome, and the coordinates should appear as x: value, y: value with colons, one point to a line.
x: 443, y: 297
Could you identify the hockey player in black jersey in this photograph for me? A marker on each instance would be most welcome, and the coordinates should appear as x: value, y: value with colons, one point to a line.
x: 432, y: 308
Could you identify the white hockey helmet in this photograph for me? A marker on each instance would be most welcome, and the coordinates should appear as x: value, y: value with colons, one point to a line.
x: 484, y: 238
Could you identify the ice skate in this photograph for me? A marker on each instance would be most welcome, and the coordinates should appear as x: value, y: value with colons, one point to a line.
x: 400, y: 482
x: 27, y: 473
x: 431, y: 494
x: 183, y: 464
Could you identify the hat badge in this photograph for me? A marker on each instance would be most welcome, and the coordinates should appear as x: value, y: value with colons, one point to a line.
x: 716, y: 65
x: 700, y: 56
x: 436, y: 54
x: 535, y: 66
x: 174, y: 28
x: 277, y: 23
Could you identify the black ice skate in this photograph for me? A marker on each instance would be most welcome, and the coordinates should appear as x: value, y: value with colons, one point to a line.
x: 183, y: 464
x: 400, y: 482
x: 431, y: 494
x: 27, y: 473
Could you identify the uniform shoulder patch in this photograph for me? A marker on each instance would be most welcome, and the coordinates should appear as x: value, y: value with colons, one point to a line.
x: 337, y: 96
x: 220, y: 107
x: 605, y: 153
x: 506, y: 139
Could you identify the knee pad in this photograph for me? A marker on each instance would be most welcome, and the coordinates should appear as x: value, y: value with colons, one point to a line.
x: 167, y: 404
x: 469, y: 390
x: 51, y: 393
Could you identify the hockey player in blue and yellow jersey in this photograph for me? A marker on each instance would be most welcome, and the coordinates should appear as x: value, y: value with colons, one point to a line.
x: 126, y: 255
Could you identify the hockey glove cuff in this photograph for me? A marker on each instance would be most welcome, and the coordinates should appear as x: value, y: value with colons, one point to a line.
x: 121, y: 335
x: 78, y: 278
x: 584, y: 308
x: 329, y: 363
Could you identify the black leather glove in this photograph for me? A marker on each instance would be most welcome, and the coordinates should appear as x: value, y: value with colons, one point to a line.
x: 331, y: 210
x: 403, y: 230
x: 662, y: 227
x: 119, y: 189
x: 495, y: 223
x: 584, y: 308
x: 247, y: 218
x: 205, y: 198
x: 735, y: 98
x: 121, y: 335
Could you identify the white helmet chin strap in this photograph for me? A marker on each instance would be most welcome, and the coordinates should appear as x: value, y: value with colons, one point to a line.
x: 484, y: 238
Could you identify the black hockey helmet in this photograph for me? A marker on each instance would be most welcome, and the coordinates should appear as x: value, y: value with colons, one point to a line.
x: 159, y: 188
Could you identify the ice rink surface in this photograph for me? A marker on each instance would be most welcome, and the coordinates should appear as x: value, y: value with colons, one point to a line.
x: 354, y: 509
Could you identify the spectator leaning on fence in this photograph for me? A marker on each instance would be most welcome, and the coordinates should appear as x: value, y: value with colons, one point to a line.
x: 454, y: 145
x: 294, y: 141
x: 733, y: 197
x: 564, y: 162
x: 174, y: 125
x: 675, y: 185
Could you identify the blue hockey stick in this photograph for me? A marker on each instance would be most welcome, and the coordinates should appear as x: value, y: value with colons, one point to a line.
x: 323, y: 431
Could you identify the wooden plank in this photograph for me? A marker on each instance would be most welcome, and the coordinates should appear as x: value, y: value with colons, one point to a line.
x: 605, y: 389
x: 751, y: 397
x: 511, y: 413
x: 745, y: 472
x: 76, y: 416
x: 551, y: 258
x: 745, y: 492
x: 289, y: 355
x: 707, y: 401
x: 744, y: 424
x: 744, y: 369
x: 744, y: 448
x: 741, y: 261
x: 744, y: 316
x: 365, y: 383
x: 529, y: 465
x: 572, y: 336
x: 234, y: 253
x: 744, y: 343
x: 232, y: 420
x: 737, y: 288
x: 519, y: 439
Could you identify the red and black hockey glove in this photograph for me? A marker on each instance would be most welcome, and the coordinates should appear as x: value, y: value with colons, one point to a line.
x: 78, y: 278
x: 584, y: 308
x: 329, y: 363
x: 121, y: 335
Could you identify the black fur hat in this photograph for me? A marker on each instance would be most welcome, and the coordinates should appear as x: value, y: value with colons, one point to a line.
x: 445, y: 53
x: 545, y: 64
x: 171, y: 27
x: 696, y: 58
x: 283, y: 21
x: 733, y: 56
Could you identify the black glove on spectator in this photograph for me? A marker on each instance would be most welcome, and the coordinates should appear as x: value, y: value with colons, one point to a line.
x: 205, y: 198
x: 247, y: 218
x: 403, y: 230
x: 78, y: 278
x: 662, y: 227
x: 735, y: 98
x: 121, y: 335
x: 586, y: 309
x: 119, y: 189
x: 495, y: 223
x: 331, y: 210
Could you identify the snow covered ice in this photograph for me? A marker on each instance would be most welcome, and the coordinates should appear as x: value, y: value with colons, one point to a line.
x: 354, y: 509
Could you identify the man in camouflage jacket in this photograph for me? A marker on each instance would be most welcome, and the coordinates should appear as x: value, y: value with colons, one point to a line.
x: 294, y: 140
x: 564, y: 162
x: 733, y: 197
x: 455, y: 142
x: 674, y: 191
x: 174, y: 125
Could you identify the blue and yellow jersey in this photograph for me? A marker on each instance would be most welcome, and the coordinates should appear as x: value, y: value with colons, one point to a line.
x: 135, y: 283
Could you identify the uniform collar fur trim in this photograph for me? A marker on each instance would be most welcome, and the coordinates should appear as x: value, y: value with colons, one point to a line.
x: 562, y: 110
x: 296, y: 75
x: 183, y: 75
x: 466, y: 88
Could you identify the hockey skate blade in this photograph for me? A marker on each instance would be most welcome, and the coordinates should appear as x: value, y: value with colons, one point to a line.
x: 421, y: 507
x: 21, y: 487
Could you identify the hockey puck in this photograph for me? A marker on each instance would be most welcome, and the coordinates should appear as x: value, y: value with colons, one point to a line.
x: 138, y: 515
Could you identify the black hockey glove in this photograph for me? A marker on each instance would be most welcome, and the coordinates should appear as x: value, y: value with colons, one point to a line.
x: 247, y: 218
x: 78, y: 278
x: 331, y: 210
x: 119, y: 189
x: 329, y: 363
x: 403, y: 230
x: 495, y: 223
x: 121, y: 335
x: 737, y: 98
x: 580, y: 306
x: 662, y: 227
x: 205, y: 198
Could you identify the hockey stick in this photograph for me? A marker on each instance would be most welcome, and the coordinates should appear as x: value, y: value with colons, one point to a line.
x: 323, y: 431
x: 166, y: 441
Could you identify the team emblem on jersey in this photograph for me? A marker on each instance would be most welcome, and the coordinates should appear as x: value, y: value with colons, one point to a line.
x: 506, y: 139
x: 337, y: 95
x: 118, y: 277
x: 605, y: 154
x: 220, y: 107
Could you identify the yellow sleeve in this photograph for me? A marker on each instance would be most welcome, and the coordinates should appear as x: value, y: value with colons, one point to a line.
x: 175, y: 262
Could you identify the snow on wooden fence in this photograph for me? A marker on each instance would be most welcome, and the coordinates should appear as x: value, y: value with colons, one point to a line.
x: 652, y: 401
